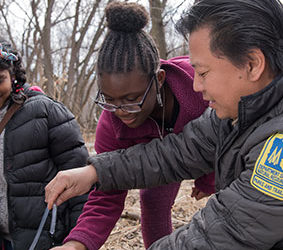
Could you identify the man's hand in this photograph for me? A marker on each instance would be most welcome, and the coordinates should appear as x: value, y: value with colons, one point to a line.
x: 71, y: 245
x: 70, y: 183
x: 197, y: 194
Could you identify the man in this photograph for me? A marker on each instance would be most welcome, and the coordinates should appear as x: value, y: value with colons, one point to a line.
x: 236, y: 50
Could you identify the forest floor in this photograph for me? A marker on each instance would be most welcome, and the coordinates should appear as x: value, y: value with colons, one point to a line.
x: 127, y: 233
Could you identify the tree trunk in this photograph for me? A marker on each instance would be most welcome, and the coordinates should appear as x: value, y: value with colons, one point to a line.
x: 157, y: 29
x: 46, y: 43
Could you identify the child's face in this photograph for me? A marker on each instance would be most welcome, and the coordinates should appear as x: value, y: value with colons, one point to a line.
x: 128, y: 88
x: 5, y: 86
x: 220, y: 82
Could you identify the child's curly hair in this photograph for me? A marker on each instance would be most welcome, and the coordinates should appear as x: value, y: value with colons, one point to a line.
x: 16, y: 69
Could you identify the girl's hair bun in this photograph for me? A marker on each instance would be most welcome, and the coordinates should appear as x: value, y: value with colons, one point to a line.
x: 126, y: 17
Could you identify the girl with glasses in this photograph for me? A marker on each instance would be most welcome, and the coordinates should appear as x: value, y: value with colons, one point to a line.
x: 143, y: 97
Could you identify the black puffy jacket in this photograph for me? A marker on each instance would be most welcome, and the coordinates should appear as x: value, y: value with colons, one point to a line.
x: 41, y: 139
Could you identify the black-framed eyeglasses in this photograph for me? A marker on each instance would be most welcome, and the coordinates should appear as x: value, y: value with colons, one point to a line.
x: 130, y: 107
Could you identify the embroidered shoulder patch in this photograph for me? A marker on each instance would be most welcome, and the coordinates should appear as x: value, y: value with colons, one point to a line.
x: 267, y: 176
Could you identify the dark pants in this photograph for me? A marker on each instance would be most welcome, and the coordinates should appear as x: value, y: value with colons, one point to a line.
x: 5, y: 245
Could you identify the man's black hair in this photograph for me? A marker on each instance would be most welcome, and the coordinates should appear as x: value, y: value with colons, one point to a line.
x: 239, y: 26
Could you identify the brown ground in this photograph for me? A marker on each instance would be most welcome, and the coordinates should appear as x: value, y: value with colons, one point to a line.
x: 127, y: 234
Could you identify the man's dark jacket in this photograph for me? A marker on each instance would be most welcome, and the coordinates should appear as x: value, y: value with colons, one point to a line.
x: 41, y: 139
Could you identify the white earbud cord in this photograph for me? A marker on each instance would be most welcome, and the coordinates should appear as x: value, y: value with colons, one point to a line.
x: 41, y: 225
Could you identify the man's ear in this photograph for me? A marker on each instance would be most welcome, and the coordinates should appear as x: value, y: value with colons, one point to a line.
x: 161, y: 74
x: 256, y: 64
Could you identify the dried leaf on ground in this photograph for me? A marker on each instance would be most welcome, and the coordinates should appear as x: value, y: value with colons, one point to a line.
x: 127, y: 233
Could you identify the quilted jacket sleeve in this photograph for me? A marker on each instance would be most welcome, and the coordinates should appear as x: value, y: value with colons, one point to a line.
x: 67, y: 150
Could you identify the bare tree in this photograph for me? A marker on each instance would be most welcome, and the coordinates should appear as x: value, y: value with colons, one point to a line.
x: 59, y: 41
x: 46, y: 45
x: 164, y: 14
x: 176, y: 44
x: 157, y: 26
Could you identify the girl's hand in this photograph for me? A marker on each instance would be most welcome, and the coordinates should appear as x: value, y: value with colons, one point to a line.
x: 197, y: 194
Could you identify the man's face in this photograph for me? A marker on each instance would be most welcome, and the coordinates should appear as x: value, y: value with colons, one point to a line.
x: 220, y: 82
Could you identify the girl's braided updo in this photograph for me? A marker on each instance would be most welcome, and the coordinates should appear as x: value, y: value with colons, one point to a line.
x: 17, y: 72
x: 126, y: 46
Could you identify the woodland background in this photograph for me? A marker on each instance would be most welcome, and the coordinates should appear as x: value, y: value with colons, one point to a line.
x: 59, y: 41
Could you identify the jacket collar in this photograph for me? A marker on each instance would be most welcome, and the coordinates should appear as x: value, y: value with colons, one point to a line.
x: 254, y: 106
